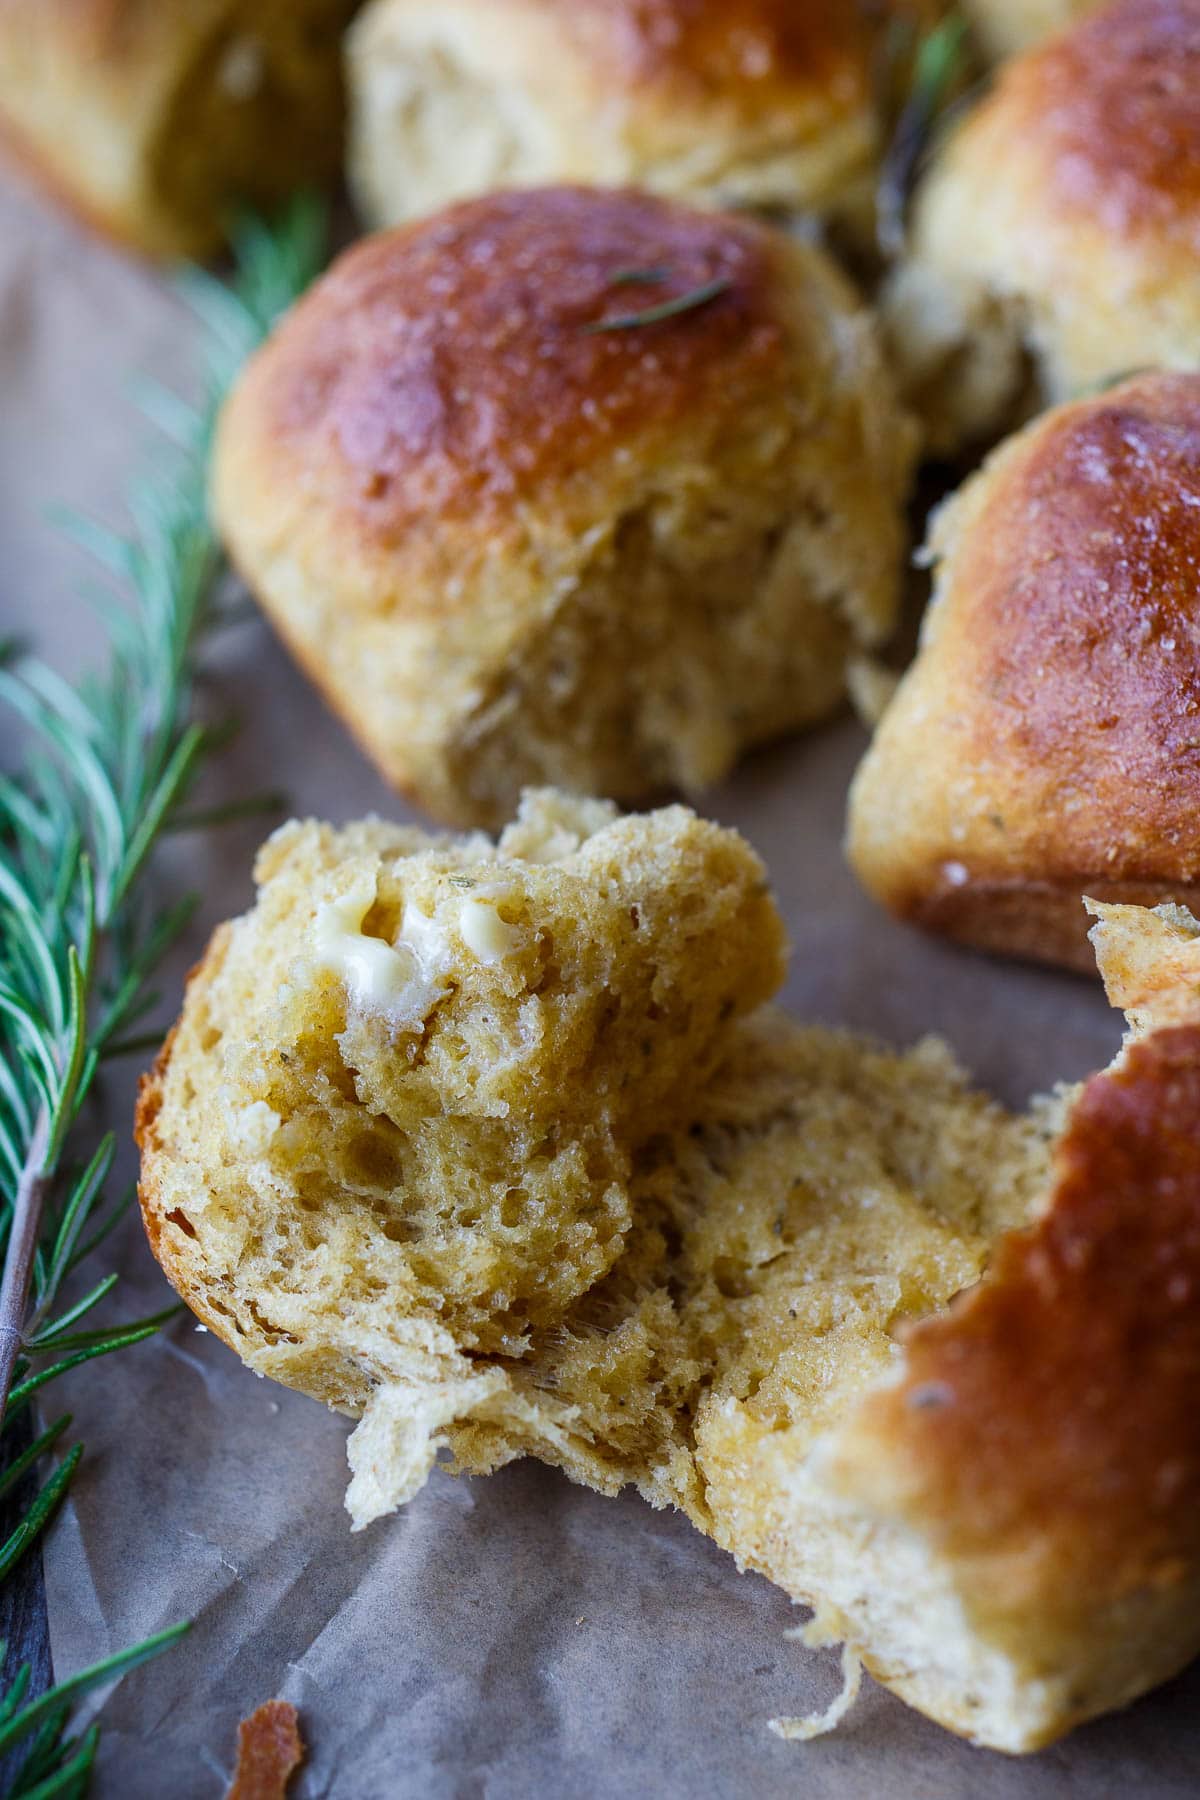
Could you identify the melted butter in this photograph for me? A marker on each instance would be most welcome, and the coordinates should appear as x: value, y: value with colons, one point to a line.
x: 402, y: 981
x: 485, y: 934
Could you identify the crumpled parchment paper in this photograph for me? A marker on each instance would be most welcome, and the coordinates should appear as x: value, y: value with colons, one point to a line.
x: 503, y: 1638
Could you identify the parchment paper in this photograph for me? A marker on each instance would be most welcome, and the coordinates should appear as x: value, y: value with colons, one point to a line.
x: 508, y: 1637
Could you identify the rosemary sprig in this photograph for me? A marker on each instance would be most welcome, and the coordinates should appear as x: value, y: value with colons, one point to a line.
x: 666, y: 309
x: 106, y: 770
x: 932, y: 67
x: 57, y: 1767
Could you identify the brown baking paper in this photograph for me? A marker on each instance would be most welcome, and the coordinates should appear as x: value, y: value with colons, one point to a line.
x: 506, y: 1637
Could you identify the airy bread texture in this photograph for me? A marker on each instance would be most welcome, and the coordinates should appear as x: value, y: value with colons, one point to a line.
x: 1005, y: 26
x: 1044, y: 743
x: 518, y: 540
x: 1061, y: 224
x: 760, y: 103
x: 153, y: 118
x: 929, y: 1366
x: 409, y: 1084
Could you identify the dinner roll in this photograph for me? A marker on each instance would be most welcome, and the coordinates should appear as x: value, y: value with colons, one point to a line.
x: 513, y: 1162
x: 520, y: 537
x: 393, y: 1129
x: 153, y: 120
x: 1060, y: 222
x: 764, y: 103
x: 1005, y: 26
x: 1046, y: 741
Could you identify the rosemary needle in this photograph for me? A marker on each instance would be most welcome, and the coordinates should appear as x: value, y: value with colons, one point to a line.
x: 666, y: 309
x: 106, y: 771
x: 638, y: 277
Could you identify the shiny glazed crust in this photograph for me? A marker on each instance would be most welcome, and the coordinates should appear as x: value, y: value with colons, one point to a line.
x: 1046, y: 742
x: 451, y: 371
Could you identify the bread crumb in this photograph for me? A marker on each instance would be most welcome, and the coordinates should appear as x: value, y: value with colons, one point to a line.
x: 270, y: 1750
x: 871, y: 685
x: 820, y: 1724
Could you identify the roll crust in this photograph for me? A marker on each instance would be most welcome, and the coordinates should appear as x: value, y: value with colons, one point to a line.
x: 152, y: 119
x: 1046, y: 744
x: 455, y: 372
x: 1062, y: 221
x: 1035, y: 1438
x: 519, y: 537
x: 759, y: 102
x: 1118, y: 1244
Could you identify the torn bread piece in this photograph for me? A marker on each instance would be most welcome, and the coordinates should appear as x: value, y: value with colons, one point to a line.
x: 928, y: 1365
x: 270, y: 1751
x: 392, y: 1132
x: 823, y: 1189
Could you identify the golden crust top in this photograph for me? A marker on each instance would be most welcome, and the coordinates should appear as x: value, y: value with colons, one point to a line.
x: 1046, y: 743
x: 1077, y: 594
x: 1046, y: 1429
x: 752, y: 55
x: 453, y: 365
x: 763, y: 50
x: 1108, y: 109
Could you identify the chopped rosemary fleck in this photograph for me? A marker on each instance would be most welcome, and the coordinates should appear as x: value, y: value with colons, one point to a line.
x: 636, y: 277
x: 666, y: 309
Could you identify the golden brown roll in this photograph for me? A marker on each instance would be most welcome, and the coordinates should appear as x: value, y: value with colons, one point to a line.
x: 765, y: 103
x: 1005, y: 26
x: 1061, y: 222
x: 1046, y: 741
x: 519, y: 538
x: 495, y: 1148
x: 151, y: 118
